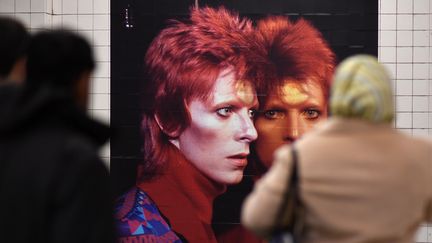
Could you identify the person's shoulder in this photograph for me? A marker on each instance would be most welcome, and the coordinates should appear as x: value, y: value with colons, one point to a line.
x: 56, y: 135
x: 137, y: 218
x: 75, y: 142
x: 136, y: 206
x: 425, y: 142
x: 420, y: 141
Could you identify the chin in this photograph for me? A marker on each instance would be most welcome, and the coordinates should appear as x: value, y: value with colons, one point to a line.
x: 235, y: 179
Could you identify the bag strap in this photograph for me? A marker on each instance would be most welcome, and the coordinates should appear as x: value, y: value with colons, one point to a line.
x: 291, y: 195
x: 294, y: 172
x: 297, y: 223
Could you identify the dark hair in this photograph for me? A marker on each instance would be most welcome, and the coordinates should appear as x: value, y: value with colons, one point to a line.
x: 288, y: 49
x: 14, y: 40
x: 183, y: 63
x: 58, y: 58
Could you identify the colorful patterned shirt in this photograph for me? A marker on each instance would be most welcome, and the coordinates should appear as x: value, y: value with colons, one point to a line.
x: 139, y: 220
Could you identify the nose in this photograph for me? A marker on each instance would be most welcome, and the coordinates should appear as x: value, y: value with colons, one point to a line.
x: 247, y: 132
x: 293, y: 128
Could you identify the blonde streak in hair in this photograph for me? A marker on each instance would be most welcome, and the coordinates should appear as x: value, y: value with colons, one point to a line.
x: 339, y: 101
x: 379, y: 91
x: 380, y: 80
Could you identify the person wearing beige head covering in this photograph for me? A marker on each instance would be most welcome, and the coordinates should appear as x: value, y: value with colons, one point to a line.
x: 360, y: 180
x: 362, y: 90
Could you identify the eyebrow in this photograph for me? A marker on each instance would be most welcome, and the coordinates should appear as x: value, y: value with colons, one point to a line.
x: 234, y: 101
x: 310, y: 101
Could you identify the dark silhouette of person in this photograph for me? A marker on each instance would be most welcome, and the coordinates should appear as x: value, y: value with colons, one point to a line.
x: 53, y: 185
x: 13, y: 46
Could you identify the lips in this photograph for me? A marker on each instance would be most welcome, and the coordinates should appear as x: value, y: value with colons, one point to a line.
x: 239, y: 160
x: 239, y: 156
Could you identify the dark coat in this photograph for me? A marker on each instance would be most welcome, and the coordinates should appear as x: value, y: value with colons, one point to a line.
x: 53, y: 186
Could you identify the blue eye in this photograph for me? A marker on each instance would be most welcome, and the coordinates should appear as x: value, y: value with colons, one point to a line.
x: 312, y: 114
x: 274, y: 114
x: 225, y: 111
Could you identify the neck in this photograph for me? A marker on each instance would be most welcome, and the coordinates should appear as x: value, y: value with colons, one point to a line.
x: 183, y: 182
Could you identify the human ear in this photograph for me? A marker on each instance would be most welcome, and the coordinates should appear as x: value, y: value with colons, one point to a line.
x: 172, y: 133
x: 82, y: 86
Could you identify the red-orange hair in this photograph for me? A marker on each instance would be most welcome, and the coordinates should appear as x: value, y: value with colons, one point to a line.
x: 183, y: 63
x: 289, y: 50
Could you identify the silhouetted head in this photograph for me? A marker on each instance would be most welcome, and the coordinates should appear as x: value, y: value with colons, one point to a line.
x: 14, y: 40
x: 61, y: 60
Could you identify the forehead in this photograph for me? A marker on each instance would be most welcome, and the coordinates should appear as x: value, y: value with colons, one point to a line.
x: 296, y: 92
x: 227, y: 87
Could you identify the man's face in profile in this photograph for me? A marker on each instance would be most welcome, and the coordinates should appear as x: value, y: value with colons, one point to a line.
x: 221, y: 129
x: 293, y: 109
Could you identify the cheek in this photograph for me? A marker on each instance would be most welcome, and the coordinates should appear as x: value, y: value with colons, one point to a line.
x: 210, y: 133
x: 196, y: 142
x: 269, y: 138
x: 265, y: 129
x: 270, y: 131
